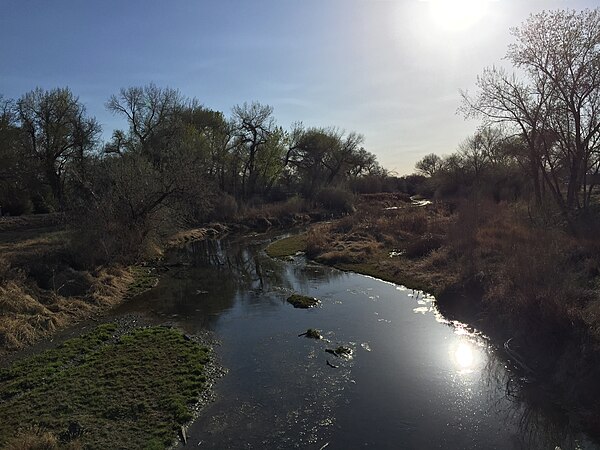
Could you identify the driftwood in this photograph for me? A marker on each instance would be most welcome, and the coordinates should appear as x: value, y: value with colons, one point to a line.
x: 332, y: 365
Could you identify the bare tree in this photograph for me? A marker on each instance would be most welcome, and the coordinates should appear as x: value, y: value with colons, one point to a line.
x: 429, y: 165
x: 556, y: 110
x: 253, y: 126
x: 151, y: 113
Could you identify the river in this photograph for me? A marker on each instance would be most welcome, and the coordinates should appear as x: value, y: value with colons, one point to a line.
x: 414, y: 379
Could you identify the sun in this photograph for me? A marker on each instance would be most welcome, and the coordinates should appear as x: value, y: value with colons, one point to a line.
x: 457, y: 15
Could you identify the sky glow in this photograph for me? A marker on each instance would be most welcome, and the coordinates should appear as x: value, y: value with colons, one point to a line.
x: 391, y: 70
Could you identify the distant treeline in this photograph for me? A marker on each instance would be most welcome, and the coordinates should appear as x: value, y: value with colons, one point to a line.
x: 175, y: 161
x: 173, y: 146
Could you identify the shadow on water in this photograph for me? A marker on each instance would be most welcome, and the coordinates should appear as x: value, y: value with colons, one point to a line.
x: 415, y: 380
x: 540, y: 422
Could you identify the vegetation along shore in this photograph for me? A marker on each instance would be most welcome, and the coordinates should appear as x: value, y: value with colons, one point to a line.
x: 503, y: 231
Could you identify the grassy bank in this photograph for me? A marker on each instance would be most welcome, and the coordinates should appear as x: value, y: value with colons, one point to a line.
x: 494, y: 267
x: 104, y: 390
x: 287, y: 246
x: 43, y: 285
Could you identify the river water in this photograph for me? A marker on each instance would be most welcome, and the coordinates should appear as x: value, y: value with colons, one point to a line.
x: 414, y: 379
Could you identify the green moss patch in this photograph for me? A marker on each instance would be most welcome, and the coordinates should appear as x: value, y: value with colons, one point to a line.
x: 302, y: 301
x: 133, y: 390
x: 287, y: 246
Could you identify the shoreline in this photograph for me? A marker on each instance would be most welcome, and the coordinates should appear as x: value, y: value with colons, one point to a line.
x: 464, y: 300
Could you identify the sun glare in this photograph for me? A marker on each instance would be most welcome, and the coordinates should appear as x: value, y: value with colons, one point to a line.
x: 457, y: 15
x: 465, y: 356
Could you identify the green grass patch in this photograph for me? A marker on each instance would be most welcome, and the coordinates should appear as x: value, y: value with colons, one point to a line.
x: 302, y: 301
x: 287, y: 246
x: 144, y: 279
x: 134, y: 390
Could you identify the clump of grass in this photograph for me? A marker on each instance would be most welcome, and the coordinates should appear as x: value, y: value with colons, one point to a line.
x: 287, y: 246
x: 340, y: 351
x: 302, y: 301
x: 144, y: 279
x: 135, y: 388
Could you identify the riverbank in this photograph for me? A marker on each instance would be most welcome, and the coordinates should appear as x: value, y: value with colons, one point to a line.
x: 120, y: 383
x: 45, y: 288
x: 488, y: 266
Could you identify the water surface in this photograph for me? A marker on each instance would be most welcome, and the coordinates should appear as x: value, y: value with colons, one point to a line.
x: 414, y: 379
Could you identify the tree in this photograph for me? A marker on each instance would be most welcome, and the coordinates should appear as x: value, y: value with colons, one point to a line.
x: 321, y: 157
x: 56, y: 131
x: 151, y: 113
x: 556, y: 109
x: 181, y: 141
x: 429, y: 165
x: 253, y: 132
x: 16, y: 168
x: 8, y: 138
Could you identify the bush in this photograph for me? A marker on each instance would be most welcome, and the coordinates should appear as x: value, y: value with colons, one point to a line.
x: 336, y: 200
x: 315, y: 241
x: 15, y: 203
x: 423, y: 246
x: 225, y: 207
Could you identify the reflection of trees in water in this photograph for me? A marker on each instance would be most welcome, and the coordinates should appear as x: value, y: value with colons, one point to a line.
x: 237, y: 261
x: 541, y: 423
x: 252, y: 270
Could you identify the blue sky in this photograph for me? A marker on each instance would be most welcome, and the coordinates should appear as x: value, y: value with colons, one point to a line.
x: 389, y: 69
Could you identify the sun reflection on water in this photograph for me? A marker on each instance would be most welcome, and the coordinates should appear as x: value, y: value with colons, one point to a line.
x: 464, y: 355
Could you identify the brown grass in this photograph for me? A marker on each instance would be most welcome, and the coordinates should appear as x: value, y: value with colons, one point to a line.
x: 28, y: 313
x: 363, y: 242
x: 39, y: 292
x: 36, y: 438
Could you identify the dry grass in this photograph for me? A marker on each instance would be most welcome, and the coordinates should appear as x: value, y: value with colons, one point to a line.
x: 20, y: 247
x: 536, y: 279
x: 294, y: 205
x: 39, y: 292
x: 181, y: 238
x: 36, y: 438
x: 404, y: 244
x: 28, y: 313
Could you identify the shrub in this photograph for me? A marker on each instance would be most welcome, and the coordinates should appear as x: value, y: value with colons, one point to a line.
x: 225, y: 207
x: 315, y: 241
x: 336, y: 200
x: 423, y: 246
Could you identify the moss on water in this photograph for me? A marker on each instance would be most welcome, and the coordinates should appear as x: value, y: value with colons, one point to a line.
x: 312, y: 333
x: 302, y: 301
x: 134, y: 390
x: 287, y: 246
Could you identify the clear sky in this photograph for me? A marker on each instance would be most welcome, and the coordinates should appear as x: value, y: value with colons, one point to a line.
x: 389, y: 69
